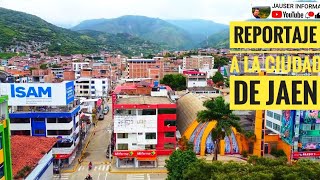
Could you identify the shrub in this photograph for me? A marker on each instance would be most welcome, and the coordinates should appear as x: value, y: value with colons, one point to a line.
x: 277, y: 153
x: 244, y: 153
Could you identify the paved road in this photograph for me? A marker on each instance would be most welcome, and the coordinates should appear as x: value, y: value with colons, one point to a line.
x: 97, y: 148
x: 101, y: 175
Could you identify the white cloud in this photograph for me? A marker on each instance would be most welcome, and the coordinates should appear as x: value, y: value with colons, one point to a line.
x: 75, y: 11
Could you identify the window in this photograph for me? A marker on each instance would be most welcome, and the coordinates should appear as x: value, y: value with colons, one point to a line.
x: 269, y: 124
x: 122, y: 146
x: 38, y: 120
x: 122, y: 135
x: 170, y: 123
x: 277, y: 116
x: 39, y: 131
x: 168, y: 146
x: 125, y: 112
x: 22, y: 132
x: 149, y: 112
x: 270, y: 113
x: 59, y: 132
x: 276, y: 127
x: 169, y: 134
x: 64, y: 120
x: 51, y: 120
x: 140, y: 134
x: 1, y: 170
x: 151, y: 135
x: 92, y: 82
x: 166, y: 111
x: 150, y: 146
x: 20, y: 120
x: 103, y: 82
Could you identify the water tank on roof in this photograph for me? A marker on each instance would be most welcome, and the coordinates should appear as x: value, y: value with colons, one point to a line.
x: 156, y: 83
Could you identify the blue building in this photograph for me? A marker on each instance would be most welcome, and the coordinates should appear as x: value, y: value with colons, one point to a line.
x: 47, y: 110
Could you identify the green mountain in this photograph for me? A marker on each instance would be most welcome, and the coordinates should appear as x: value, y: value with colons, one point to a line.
x: 124, y: 43
x: 21, y: 27
x: 152, y: 29
x: 199, y: 29
x: 217, y: 40
x: 18, y: 28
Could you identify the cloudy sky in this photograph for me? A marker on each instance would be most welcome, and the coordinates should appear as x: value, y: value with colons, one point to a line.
x: 71, y: 12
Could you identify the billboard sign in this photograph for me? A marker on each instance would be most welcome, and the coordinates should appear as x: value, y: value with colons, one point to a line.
x: 287, y: 122
x: 38, y: 94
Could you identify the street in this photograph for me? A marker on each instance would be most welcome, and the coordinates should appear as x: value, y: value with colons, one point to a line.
x: 99, y: 175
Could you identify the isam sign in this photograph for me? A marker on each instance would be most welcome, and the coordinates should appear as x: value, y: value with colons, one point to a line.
x: 38, y: 94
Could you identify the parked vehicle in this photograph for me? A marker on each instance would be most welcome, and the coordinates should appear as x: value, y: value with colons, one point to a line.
x: 101, y: 117
x: 106, y: 110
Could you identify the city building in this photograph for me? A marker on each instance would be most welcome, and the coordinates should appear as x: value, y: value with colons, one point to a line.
x: 5, y: 145
x: 78, y: 66
x: 46, y: 110
x: 145, y: 68
x: 29, y: 162
x: 92, y: 87
x: 273, y: 120
x: 198, y: 62
x: 144, y: 124
x: 195, y: 78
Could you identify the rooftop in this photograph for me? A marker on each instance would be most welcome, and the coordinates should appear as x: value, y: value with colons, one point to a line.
x: 26, y: 153
x: 143, y: 100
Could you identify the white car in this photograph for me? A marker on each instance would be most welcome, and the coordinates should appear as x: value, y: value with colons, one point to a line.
x: 106, y: 110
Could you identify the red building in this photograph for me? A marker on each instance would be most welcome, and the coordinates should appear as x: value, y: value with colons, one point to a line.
x: 144, y: 124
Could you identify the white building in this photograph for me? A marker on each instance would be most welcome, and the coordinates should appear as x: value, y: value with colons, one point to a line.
x: 92, y: 87
x: 273, y: 120
x: 77, y: 66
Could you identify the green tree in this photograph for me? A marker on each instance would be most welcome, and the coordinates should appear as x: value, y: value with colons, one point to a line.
x: 218, y: 77
x: 178, y: 162
x: 218, y: 110
x: 44, y: 66
x: 175, y: 81
x: 220, y: 61
x: 227, y: 82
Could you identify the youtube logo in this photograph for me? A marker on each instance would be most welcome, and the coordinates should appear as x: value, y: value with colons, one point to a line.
x: 276, y: 14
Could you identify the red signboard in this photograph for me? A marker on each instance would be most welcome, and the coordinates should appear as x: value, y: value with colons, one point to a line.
x: 306, y: 154
x: 142, y: 153
x: 61, y: 156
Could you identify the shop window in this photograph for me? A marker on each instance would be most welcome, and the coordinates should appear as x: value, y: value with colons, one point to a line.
x: 169, y: 146
x: 149, y: 112
x: 22, y: 132
x: 38, y: 119
x: 20, y: 120
x: 51, y: 120
x: 122, y: 146
x: 1, y: 170
x: 150, y: 146
x: 167, y: 111
x: 169, y: 134
x: 122, y: 135
x: 39, y: 132
x: 64, y: 120
x: 170, y: 123
x: 151, y: 135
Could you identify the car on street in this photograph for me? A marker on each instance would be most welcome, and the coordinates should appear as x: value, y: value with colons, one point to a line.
x: 106, y: 110
x: 101, y: 117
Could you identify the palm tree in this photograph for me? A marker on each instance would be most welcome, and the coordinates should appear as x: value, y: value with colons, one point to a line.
x: 218, y: 110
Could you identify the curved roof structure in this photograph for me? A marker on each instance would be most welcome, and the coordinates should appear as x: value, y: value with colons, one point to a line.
x: 200, y: 133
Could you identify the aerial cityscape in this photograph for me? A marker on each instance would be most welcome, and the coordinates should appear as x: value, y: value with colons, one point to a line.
x: 139, y: 97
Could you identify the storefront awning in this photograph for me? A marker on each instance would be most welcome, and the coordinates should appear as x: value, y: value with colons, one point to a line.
x: 146, y: 158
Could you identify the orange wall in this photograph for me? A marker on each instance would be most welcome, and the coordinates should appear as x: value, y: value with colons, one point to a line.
x: 280, y: 144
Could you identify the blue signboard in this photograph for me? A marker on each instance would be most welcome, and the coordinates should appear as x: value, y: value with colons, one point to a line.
x: 69, y: 92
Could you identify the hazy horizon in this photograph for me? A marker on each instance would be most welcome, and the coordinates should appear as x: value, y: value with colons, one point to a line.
x: 69, y: 13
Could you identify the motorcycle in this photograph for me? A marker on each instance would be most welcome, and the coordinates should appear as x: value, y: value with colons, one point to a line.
x: 88, y: 178
x: 90, y: 166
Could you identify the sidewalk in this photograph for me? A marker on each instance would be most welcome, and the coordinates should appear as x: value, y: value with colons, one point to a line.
x: 74, y: 165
